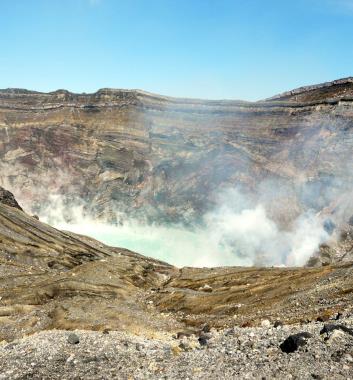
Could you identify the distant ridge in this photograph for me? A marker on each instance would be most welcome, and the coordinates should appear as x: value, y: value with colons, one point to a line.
x: 305, y: 89
x: 344, y: 83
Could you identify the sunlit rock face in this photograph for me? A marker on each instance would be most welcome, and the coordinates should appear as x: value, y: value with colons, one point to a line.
x: 130, y: 154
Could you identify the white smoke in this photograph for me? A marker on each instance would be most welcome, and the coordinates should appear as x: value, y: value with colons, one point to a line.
x: 235, y: 233
x: 247, y: 232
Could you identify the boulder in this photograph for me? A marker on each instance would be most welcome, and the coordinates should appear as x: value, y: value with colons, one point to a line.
x: 293, y: 342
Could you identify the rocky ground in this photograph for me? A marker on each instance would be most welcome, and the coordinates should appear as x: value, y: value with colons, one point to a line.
x: 236, y: 353
x: 133, y: 317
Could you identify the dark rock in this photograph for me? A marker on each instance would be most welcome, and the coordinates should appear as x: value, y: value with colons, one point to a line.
x: 278, y: 324
x: 206, y: 328
x: 203, y: 341
x: 8, y: 199
x: 316, y: 377
x: 73, y: 339
x: 293, y: 342
x: 328, y: 328
x: 204, y: 338
x: 138, y: 347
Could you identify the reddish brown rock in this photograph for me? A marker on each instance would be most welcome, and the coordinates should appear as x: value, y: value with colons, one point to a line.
x: 166, y: 159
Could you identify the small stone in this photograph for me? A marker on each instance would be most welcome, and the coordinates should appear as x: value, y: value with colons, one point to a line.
x: 229, y: 332
x: 176, y: 350
x: 266, y: 323
x: 73, y: 339
x: 70, y: 358
x: 206, y: 288
x: 183, y: 334
x: 203, y: 340
x: 335, y: 337
x: 138, y: 347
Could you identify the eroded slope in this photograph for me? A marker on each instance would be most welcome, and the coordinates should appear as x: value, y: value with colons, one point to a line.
x: 52, y: 279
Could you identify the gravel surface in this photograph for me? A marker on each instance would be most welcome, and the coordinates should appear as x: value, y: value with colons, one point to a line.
x: 239, y: 353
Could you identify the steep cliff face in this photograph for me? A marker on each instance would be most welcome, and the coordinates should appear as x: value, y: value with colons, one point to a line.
x: 164, y: 159
x: 133, y: 151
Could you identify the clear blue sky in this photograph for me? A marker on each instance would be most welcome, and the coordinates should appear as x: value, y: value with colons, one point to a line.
x: 240, y: 49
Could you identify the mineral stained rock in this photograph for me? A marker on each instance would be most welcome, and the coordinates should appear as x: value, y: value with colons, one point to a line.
x: 131, y: 154
x: 166, y: 159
